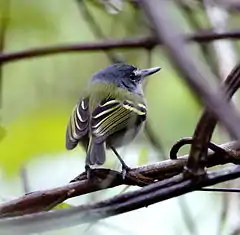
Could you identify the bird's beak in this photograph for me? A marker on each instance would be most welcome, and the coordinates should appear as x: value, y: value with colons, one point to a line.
x: 148, y: 72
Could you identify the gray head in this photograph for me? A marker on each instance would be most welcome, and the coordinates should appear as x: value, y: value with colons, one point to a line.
x: 125, y: 76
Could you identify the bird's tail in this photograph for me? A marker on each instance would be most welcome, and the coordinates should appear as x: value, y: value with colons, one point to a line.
x: 95, y: 153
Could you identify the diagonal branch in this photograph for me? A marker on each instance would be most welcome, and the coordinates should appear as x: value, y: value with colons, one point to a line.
x: 104, y: 178
x: 190, y: 69
x: 206, y: 125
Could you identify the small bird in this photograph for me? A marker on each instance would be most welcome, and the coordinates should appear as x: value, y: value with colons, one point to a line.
x: 110, y: 113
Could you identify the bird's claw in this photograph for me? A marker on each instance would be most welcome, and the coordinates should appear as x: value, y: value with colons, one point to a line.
x: 88, y: 171
x: 125, y: 170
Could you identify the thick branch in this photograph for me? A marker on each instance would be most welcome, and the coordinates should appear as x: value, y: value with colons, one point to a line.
x: 46, y: 199
x: 160, y: 191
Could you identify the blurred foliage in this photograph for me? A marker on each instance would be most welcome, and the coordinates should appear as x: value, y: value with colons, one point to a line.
x: 2, y: 133
x: 35, y: 134
x: 39, y: 93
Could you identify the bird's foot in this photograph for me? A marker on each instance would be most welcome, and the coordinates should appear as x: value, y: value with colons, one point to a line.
x: 88, y: 171
x: 125, y: 169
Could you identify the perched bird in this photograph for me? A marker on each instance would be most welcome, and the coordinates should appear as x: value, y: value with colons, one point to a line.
x: 110, y: 112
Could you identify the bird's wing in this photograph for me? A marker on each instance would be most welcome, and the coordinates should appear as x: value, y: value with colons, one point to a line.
x: 112, y: 115
x: 78, y: 124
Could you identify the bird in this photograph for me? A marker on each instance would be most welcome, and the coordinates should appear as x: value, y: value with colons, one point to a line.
x: 110, y: 113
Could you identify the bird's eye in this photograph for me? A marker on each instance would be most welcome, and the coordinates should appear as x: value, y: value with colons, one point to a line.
x: 132, y: 76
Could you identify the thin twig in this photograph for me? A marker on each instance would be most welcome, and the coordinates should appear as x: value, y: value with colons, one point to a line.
x: 221, y: 190
x: 130, y: 43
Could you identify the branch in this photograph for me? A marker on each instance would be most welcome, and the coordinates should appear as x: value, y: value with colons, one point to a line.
x: 130, y: 43
x: 206, y: 125
x: 157, y: 192
x: 104, y: 178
